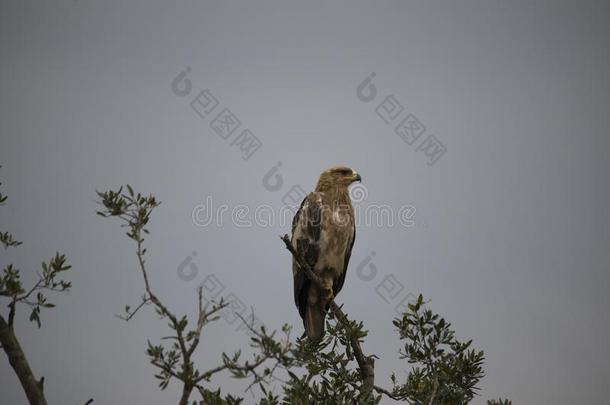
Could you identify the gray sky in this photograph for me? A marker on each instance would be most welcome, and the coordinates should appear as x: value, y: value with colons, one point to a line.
x: 510, y: 234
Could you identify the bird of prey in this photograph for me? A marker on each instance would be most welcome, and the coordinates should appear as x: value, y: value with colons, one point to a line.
x: 323, y: 234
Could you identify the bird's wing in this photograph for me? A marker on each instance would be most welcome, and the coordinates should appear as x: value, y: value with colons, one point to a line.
x: 306, y: 228
x: 338, y: 285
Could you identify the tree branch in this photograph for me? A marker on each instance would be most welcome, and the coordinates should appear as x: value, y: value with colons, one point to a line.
x: 33, y: 388
x: 366, y: 364
x: 387, y: 393
x: 187, y: 389
x: 434, y: 391
x: 174, y: 363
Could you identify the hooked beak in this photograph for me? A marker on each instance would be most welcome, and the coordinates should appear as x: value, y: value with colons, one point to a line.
x: 357, y: 177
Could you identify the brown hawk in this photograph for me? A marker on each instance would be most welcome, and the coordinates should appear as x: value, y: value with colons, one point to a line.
x: 323, y: 234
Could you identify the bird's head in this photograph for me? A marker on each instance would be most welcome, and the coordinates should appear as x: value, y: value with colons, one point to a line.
x: 339, y: 176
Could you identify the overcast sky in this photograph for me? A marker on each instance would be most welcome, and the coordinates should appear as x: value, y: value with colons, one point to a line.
x: 503, y: 170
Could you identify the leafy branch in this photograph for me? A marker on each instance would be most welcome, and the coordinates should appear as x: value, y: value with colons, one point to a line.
x: 176, y: 360
x: 446, y: 370
x: 34, y: 297
x: 334, y: 369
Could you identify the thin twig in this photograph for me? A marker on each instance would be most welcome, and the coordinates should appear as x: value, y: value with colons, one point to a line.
x: 203, y: 318
x: 131, y: 314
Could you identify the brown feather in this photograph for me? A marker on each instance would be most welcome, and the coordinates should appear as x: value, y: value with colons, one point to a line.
x: 323, y: 234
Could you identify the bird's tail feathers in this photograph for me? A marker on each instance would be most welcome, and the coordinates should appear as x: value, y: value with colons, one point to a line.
x: 314, y: 322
